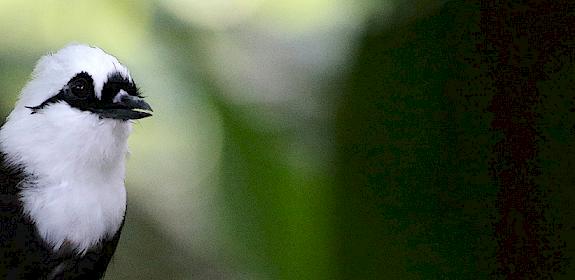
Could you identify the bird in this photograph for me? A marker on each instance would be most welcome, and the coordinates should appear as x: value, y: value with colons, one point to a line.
x: 63, y: 152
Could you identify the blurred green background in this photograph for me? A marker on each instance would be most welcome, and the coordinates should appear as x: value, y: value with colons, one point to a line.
x: 306, y: 139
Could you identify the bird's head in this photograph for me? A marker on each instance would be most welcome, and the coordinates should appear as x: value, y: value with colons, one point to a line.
x: 78, y: 107
x: 87, y: 81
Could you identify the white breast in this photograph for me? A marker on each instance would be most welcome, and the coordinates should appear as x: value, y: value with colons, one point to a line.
x: 78, y: 213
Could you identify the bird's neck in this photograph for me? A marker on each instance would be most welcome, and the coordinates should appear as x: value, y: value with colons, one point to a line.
x: 65, y: 143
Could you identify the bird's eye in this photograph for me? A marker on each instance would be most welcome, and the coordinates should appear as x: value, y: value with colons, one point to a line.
x: 80, y: 88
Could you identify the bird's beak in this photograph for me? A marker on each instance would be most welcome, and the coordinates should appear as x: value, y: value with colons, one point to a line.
x: 126, y: 107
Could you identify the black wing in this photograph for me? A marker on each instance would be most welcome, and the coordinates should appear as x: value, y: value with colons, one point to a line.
x: 23, y: 254
x: 90, y: 266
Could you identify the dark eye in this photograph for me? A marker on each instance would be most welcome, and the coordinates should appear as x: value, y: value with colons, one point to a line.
x: 80, y: 88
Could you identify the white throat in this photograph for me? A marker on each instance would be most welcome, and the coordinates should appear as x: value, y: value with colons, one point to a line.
x: 75, y: 194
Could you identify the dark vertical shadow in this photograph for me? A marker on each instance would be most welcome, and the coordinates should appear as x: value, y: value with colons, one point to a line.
x: 527, y: 42
x: 449, y: 146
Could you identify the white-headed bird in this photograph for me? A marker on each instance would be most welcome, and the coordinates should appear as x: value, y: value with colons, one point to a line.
x: 62, y: 166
